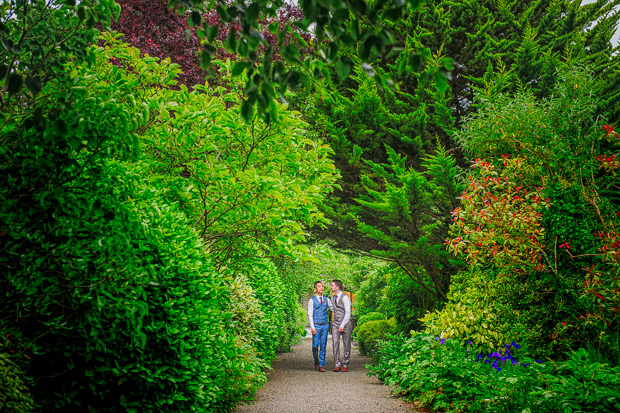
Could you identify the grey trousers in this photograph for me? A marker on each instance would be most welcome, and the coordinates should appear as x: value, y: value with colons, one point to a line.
x: 346, y: 340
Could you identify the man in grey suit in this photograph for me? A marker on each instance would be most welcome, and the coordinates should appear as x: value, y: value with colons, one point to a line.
x: 341, y: 326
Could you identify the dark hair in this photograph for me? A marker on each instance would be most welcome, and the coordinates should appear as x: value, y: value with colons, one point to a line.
x: 339, y: 284
x: 316, y: 282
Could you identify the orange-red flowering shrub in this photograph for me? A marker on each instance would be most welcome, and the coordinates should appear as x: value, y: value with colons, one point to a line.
x: 499, y: 220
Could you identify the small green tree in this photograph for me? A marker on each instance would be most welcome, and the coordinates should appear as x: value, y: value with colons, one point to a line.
x: 248, y: 187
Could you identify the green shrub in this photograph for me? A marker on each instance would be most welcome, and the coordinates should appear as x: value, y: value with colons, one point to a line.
x: 372, y: 333
x: 120, y: 309
x: 281, y: 324
x: 374, y: 316
x: 475, y: 311
x: 246, y: 319
x: 246, y: 309
x: 579, y: 385
x: 445, y: 375
x: 295, y: 324
x: 14, y: 394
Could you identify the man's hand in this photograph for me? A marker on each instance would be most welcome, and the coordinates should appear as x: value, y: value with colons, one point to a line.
x: 341, y: 329
x: 313, y: 331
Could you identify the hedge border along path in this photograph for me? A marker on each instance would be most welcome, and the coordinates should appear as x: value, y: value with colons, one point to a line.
x: 295, y: 386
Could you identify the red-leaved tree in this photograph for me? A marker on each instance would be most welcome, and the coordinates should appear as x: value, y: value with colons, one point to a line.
x: 157, y: 30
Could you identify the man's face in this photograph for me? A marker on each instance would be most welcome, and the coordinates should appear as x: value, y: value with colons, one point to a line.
x: 319, y: 288
x: 333, y: 287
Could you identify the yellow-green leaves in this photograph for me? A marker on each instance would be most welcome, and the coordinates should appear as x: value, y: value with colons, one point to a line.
x: 255, y: 185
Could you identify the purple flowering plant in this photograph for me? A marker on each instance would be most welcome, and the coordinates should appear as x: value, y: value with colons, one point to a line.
x: 448, y: 375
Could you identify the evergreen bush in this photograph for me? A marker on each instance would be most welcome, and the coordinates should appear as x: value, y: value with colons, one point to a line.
x: 119, y: 309
x: 374, y: 316
x: 371, y: 334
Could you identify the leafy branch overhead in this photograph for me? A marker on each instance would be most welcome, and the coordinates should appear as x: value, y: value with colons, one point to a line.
x: 336, y: 25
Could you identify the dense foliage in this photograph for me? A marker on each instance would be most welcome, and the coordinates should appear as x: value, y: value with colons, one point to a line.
x: 387, y: 290
x: 371, y: 334
x: 385, y: 207
x: 245, y: 186
x: 120, y: 318
x: 107, y: 289
x: 15, y: 396
x: 266, y: 318
x: 445, y: 375
x: 335, y: 25
x: 373, y: 316
x: 111, y: 298
x: 153, y: 237
x: 281, y: 324
x: 538, y: 226
x: 502, y: 47
x: 159, y: 31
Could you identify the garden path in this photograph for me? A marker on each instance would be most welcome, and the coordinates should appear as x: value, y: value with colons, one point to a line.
x: 295, y: 386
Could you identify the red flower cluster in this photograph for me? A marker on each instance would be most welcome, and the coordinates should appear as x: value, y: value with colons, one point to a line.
x: 609, y: 129
x: 610, y: 163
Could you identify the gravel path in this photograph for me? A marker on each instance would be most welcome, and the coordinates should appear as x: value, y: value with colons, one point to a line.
x: 295, y: 386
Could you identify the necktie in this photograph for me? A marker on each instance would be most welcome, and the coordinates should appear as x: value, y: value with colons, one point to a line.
x: 321, y: 298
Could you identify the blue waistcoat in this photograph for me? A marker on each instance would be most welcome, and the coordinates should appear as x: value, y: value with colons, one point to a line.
x: 319, y: 315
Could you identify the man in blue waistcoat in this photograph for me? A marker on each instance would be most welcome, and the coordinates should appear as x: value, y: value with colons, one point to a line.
x: 319, y: 324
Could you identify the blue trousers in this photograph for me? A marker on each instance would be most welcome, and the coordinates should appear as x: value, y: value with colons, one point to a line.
x: 319, y: 342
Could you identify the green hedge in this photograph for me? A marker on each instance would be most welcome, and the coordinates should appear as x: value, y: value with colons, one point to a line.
x: 374, y: 316
x: 113, y: 305
x: 282, y: 322
x: 371, y: 334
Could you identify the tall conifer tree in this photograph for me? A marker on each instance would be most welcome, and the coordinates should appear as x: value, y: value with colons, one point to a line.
x: 386, y: 140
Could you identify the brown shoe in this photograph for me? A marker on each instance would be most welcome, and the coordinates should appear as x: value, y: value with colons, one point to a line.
x: 321, y: 369
x: 337, y: 369
x: 316, y: 365
x: 345, y: 369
